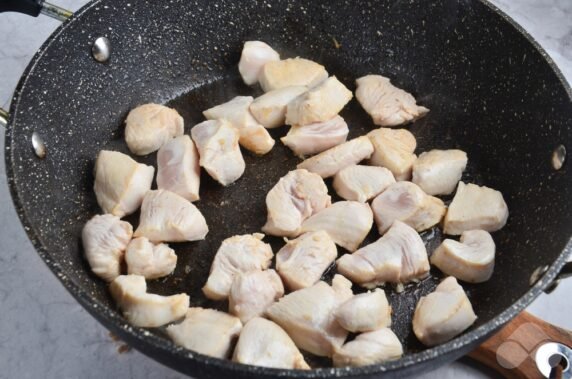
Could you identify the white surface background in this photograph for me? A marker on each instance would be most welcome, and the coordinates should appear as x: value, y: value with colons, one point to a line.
x: 45, y: 333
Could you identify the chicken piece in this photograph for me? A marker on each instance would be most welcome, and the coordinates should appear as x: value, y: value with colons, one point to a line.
x: 252, y: 292
x: 263, y: 343
x: 252, y: 136
x: 291, y: 72
x: 168, y: 217
x: 270, y: 109
x: 145, y: 309
x: 475, y: 207
x: 178, y: 168
x: 393, y: 149
x: 206, y: 331
x: 297, y: 196
x: 443, y: 314
x: 386, y: 104
x: 105, y: 238
x: 369, y: 348
x: 307, y: 315
x: 149, y: 260
x: 471, y: 260
x: 302, y: 262
x: 362, y: 183
x: 365, y: 312
x: 237, y: 254
x: 120, y: 182
x: 315, y: 138
x: 319, y: 104
x: 150, y: 126
x: 405, y: 201
x: 397, y: 257
x: 255, y: 54
x: 347, y: 223
x: 217, y: 142
x: 331, y: 161
x: 438, y: 172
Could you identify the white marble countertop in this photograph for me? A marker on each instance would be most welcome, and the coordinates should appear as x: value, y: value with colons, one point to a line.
x: 45, y: 333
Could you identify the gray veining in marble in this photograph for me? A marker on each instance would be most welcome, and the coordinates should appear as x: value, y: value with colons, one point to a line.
x: 45, y: 333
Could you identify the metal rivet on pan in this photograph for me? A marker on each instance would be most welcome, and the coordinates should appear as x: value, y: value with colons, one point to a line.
x: 101, y: 49
x: 39, y: 146
x: 558, y: 157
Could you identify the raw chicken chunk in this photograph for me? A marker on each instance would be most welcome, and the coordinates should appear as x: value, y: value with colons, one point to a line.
x: 347, y: 223
x: 120, y: 182
x: 150, y: 126
x: 291, y: 72
x: 263, y: 343
x: 238, y: 254
x: 330, y: 162
x: 255, y: 54
x: 206, y: 331
x: 443, y: 314
x: 318, y: 104
x: 438, y: 172
x: 252, y: 292
x: 471, y: 260
x: 397, y: 257
x: 178, y: 168
x: 405, y: 201
x: 105, y: 238
x: 144, y: 309
x: 369, y: 348
x: 302, y: 261
x: 168, y: 217
x: 386, y: 104
x: 149, y: 260
x: 393, y: 149
x: 270, y: 109
x: 252, y: 136
x: 365, y: 312
x: 307, y: 315
x: 217, y: 142
x: 315, y: 138
x: 297, y: 196
x: 475, y: 207
x: 362, y: 183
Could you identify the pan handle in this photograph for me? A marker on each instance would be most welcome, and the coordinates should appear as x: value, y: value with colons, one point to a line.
x: 34, y: 8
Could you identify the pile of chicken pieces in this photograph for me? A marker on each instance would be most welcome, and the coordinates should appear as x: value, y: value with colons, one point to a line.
x: 273, y: 314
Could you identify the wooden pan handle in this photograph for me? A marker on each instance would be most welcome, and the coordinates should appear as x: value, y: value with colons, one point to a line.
x: 512, y: 350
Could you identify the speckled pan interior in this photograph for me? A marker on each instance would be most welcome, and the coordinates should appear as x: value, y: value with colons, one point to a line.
x: 491, y: 90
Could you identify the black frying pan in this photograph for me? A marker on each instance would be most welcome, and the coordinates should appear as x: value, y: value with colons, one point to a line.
x: 491, y: 89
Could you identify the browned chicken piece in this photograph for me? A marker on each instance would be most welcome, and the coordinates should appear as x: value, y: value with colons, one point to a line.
x: 443, y: 314
x: 347, y: 223
x: 295, y: 197
x: 332, y: 161
x: 365, y: 312
x: 291, y: 72
x: 386, y: 104
x: 369, y: 348
x: 264, y: 343
x: 302, y: 261
x: 206, y: 331
x: 393, y: 149
x: 405, y: 201
x: 315, y: 138
x: 270, y: 109
x: 237, y: 254
x: 362, y: 183
x: 307, y: 315
x: 397, y: 257
x: 475, y: 207
x: 319, y: 104
x: 438, y: 172
x: 252, y: 292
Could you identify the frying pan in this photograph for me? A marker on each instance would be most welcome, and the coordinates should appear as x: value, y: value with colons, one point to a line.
x: 492, y: 91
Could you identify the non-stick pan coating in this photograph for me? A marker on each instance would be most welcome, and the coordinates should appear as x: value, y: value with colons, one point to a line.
x: 491, y: 93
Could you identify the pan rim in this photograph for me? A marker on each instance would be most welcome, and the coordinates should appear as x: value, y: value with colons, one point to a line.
x: 143, y: 337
